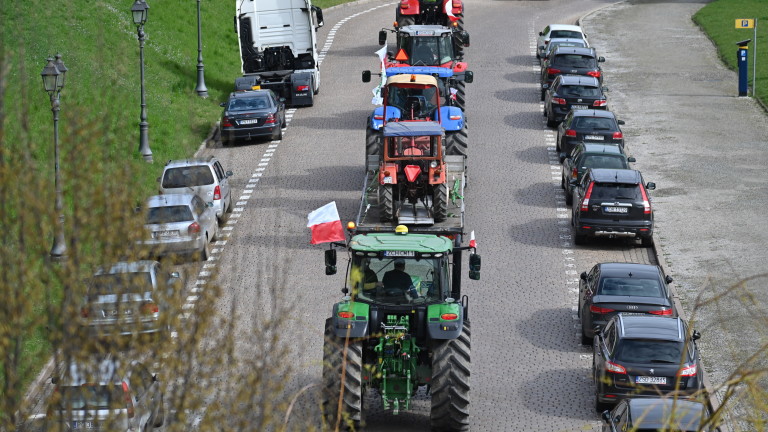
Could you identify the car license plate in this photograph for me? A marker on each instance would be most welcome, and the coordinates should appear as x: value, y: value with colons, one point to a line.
x: 651, y: 380
x: 578, y: 107
x: 616, y: 209
x: 85, y: 425
x: 399, y: 253
x: 594, y: 137
x: 166, y: 234
x: 247, y: 122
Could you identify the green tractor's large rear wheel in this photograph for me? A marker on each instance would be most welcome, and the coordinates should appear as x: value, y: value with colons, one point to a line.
x: 450, y: 383
x: 342, y: 404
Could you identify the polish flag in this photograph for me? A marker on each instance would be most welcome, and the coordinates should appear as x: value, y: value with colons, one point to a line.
x: 449, y: 10
x: 325, y: 224
x: 472, y: 242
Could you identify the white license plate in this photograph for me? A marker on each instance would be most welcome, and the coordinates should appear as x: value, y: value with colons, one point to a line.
x: 651, y: 380
x: 578, y: 107
x: 387, y: 180
x: 245, y: 122
x: 594, y: 137
x: 616, y: 209
x: 85, y: 425
x: 166, y: 234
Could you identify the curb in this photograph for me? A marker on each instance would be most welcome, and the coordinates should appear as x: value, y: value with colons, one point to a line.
x: 207, y: 142
x: 712, y: 403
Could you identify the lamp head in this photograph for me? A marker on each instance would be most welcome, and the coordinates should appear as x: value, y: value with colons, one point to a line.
x: 63, y: 69
x: 140, y: 10
x: 50, y: 76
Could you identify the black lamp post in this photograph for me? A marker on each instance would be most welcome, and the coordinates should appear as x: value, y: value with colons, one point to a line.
x: 54, y: 74
x: 140, y: 10
x: 201, y: 90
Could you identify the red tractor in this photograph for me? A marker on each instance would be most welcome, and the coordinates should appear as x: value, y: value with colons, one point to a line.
x: 430, y: 12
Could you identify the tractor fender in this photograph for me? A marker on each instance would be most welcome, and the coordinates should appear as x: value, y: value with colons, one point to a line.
x: 441, y: 329
x: 409, y: 7
x: 377, y: 118
x: 356, y: 326
x: 446, y: 112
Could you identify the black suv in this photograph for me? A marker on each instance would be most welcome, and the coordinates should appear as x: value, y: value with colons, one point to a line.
x: 565, y: 60
x: 588, y: 125
x: 645, y: 356
x: 590, y: 155
x: 612, y: 203
x: 572, y: 92
x: 654, y: 414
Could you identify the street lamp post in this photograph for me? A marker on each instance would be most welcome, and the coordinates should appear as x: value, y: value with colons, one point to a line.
x: 140, y: 10
x: 201, y: 90
x: 54, y: 74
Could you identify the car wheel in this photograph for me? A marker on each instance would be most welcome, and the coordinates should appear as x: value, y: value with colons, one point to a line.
x: 562, y: 182
x: 206, y: 252
x: 551, y: 123
x: 579, y: 239
x: 600, y: 406
x: 160, y: 417
x: 585, y: 340
x: 542, y: 94
x: 557, y: 144
x: 568, y: 197
x: 646, y: 241
x: 229, y: 203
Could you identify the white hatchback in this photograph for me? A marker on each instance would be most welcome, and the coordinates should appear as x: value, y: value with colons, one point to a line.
x: 558, y: 31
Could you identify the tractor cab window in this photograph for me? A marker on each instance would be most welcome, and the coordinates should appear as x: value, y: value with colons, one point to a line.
x: 394, y: 280
x: 422, y: 146
x: 414, y: 102
x: 428, y: 50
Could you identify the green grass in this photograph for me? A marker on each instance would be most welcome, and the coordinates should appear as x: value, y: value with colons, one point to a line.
x: 718, y: 21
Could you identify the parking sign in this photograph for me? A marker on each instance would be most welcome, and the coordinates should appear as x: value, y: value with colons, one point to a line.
x: 745, y: 23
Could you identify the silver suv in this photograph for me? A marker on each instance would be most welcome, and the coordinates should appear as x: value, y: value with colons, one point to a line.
x: 201, y: 176
x: 179, y: 224
x: 101, y: 395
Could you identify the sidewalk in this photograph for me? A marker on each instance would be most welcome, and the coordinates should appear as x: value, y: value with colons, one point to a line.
x: 706, y: 150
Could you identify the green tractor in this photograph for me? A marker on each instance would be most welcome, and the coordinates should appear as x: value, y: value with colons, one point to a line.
x: 399, y: 327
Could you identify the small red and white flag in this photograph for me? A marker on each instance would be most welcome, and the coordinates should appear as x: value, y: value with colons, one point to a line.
x: 472, y: 242
x: 449, y: 10
x: 325, y: 224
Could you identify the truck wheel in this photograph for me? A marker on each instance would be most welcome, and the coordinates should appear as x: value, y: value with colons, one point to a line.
x: 372, y: 143
x: 350, y: 416
x: 440, y: 202
x: 386, y: 203
x: 450, y: 383
x: 456, y: 142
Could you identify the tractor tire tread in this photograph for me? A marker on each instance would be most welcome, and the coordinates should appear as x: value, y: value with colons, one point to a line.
x: 451, y: 383
x: 333, y: 368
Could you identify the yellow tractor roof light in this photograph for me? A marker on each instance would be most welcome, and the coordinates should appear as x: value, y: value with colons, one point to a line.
x: 401, y: 230
x: 351, y: 225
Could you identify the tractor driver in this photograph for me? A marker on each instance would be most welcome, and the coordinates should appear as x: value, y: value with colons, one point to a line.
x: 398, y: 279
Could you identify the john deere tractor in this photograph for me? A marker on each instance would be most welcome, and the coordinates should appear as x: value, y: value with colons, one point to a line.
x: 439, y: 12
x: 400, y: 326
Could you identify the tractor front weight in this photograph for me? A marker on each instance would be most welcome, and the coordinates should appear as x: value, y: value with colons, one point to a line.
x: 397, y: 356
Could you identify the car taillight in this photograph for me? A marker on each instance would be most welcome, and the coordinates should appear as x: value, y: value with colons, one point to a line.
x: 600, y: 310
x: 449, y: 316
x: 194, y: 228
x: 595, y: 74
x: 552, y: 71
x: 347, y: 315
x: 149, y: 309
x: 302, y: 88
x: 570, y: 133
x: 614, y: 368
x: 618, y: 135
x: 646, y: 202
x: 687, y: 371
x: 270, y: 119
x: 585, y: 202
x: 128, y: 401
x: 662, y: 312
x: 559, y: 101
x: 225, y: 122
x: 600, y: 103
x: 546, y: 42
x: 217, y: 192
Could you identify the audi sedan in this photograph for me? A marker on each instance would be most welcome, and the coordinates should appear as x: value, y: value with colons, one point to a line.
x: 610, y: 288
x: 252, y: 114
x: 645, y: 356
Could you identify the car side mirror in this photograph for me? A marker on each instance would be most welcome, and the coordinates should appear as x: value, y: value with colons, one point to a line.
x: 541, y: 33
x: 469, y: 77
x: 382, y: 37
x: 229, y: 173
x: 158, y: 179
x: 209, y: 204
x: 175, y: 275
x: 545, y: 86
x: 606, y: 415
x: 366, y: 76
x: 598, y: 331
x: 650, y: 186
x: 696, y: 335
x: 330, y: 262
x: 223, y: 104
x: 583, y: 276
x: 282, y: 100
x: 154, y: 377
x: 605, y: 89
x: 464, y: 36
x: 474, y: 266
x: 564, y: 156
x: 601, y: 59
x: 319, y: 15
x: 631, y: 159
x: 574, y: 182
x: 54, y: 380
x: 668, y: 279
x: 541, y: 47
x: 621, y: 122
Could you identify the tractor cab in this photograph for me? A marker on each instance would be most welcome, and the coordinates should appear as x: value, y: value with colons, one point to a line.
x: 427, y: 45
x: 412, y: 97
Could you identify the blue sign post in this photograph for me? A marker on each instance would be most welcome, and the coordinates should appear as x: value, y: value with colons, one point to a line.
x: 742, y: 60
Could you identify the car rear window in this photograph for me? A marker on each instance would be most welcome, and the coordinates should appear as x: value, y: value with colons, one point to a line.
x: 137, y: 282
x: 649, y: 351
x: 565, y: 34
x: 170, y: 214
x: 244, y: 104
x: 575, y: 61
x: 629, y: 287
x: 616, y: 191
x: 593, y: 123
x: 91, y: 397
x: 604, y: 161
x: 199, y: 175
x: 579, y: 91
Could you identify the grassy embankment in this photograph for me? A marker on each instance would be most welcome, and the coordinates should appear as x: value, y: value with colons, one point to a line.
x: 718, y: 21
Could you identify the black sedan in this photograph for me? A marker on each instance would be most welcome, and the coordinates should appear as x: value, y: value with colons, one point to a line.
x: 645, y: 356
x: 590, y: 155
x: 569, y: 92
x: 252, y: 114
x: 588, y: 125
x: 654, y: 414
x: 610, y: 288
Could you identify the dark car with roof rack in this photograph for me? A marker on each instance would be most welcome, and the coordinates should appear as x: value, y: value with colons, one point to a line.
x: 588, y: 125
x: 572, y: 92
x: 565, y: 60
x: 590, y: 155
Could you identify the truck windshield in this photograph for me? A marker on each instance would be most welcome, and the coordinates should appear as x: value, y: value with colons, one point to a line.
x: 398, y: 280
x: 428, y: 50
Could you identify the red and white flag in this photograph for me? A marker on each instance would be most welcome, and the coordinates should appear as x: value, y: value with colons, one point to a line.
x: 325, y: 224
x: 472, y: 242
x: 449, y: 10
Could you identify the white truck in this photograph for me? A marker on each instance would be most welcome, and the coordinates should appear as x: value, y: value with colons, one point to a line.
x: 278, y: 48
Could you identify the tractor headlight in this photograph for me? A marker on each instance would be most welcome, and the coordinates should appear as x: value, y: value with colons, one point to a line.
x: 433, y: 164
